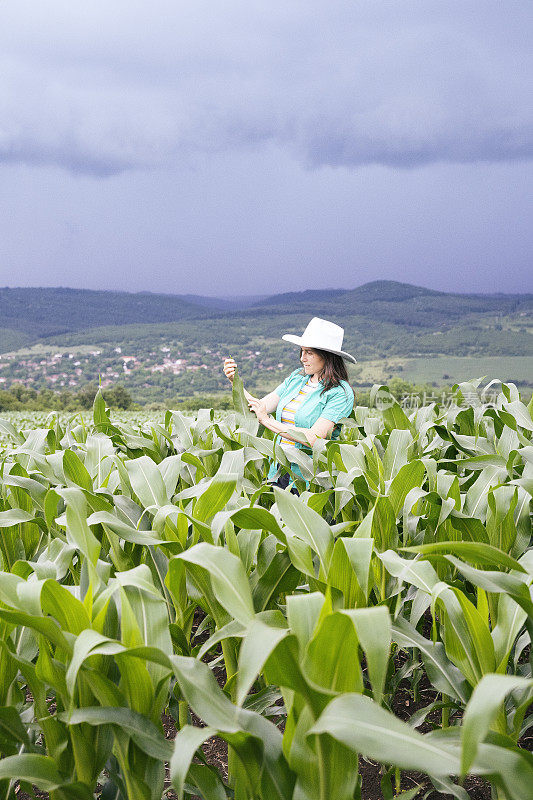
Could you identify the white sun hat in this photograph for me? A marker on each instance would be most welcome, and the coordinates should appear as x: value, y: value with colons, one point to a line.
x: 321, y: 334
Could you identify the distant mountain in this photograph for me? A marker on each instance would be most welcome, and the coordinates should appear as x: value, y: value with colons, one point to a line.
x: 391, y: 292
x: 308, y: 296
x: 35, y: 313
x: 382, y: 291
x: 47, y: 312
x: 229, y: 303
x: 167, y: 345
x: 32, y: 314
x: 396, y: 303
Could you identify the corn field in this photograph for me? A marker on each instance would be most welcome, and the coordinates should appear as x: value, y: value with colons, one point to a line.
x: 149, y: 569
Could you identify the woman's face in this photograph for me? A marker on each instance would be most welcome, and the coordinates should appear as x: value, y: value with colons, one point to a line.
x: 312, y: 362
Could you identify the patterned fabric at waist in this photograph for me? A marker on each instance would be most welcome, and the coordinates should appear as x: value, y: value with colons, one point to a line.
x: 288, y: 414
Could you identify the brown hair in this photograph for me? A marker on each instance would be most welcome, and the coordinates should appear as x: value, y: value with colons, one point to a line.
x: 333, y: 372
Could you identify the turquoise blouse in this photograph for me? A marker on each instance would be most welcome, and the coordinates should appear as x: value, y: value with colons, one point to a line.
x: 334, y: 404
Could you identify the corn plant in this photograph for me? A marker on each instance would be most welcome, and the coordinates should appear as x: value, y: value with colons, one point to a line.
x: 139, y: 560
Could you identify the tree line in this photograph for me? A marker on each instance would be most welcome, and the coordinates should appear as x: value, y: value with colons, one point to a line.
x: 20, y: 397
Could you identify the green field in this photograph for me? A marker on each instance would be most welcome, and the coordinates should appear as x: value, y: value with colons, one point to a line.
x: 447, y: 370
x: 170, y: 622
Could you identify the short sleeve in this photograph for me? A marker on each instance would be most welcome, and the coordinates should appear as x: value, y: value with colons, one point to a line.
x: 282, y: 388
x: 338, y: 405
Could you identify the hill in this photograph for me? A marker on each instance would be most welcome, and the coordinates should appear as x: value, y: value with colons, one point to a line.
x: 161, y: 346
x: 51, y: 312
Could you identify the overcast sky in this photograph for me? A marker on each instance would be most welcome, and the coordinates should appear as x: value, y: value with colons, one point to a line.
x: 244, y: 147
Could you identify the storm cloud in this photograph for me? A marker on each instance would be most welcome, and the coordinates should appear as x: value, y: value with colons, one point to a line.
x: 103, y: 88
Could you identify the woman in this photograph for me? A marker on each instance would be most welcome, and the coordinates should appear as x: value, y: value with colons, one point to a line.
x: 311, y: 400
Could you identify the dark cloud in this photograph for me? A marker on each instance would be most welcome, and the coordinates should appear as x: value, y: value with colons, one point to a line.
x: 102, y: 89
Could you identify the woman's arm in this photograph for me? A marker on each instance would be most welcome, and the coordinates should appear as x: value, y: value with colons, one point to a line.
x: 271, y: 402
x: 319, y: 430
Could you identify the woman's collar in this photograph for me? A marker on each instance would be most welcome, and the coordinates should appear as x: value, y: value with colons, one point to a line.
x: 305, y: 378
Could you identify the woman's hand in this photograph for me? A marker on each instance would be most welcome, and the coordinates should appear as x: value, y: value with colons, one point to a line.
x: 259, y: 408
x: 229, y: 368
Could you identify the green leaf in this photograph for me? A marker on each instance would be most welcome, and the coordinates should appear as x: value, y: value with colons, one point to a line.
x: 32, y: 768
x: 513, y: 765
x: 11, y: 728
x: 395, y: 418
x: 14, y: 516
x: 420, y: 573
x: 208, y: 782
x: 497, y: 582
x: 233, y: 629
x: 408, y: 477
x: 256, y: 740
x: 481, y: 710
x: 303, y: 613
x: 228, y: 578
x: 215, y: 496
x: 301, y: 555
x: 373, y: 627
x: 476, y: 552
x: 510, y: 619
x: 257, y: 518
x: 306, y: 524
x: 143, y: 732
x: 467, y: 638
x: 85, y: 645
x: 521, y: 414
x: 380, y: 524
x: 240, y: 403
x: 280, y: 577
x: 36, y: 490
x: 100, y: 415
x: 122, y: 529
x: 331, y: 660
x: 363, y: 726
x: 475, y: 504
x: 349, y: 569
x: 65, y: 607
x: 259, y: 642
x: 283, y: 669
x: 146, y: 481
x: 78, y: 532
x: 150, y: 613
x: 444, y: 675
x: 203, y: 694
x: 8, y: 428
x: 480, y: 462
x: 186, y: 743
x: 46, y: 626
x: 75, y: 471
x: 396, y: 452
x: 98, y: 448
x: 501, y: 527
